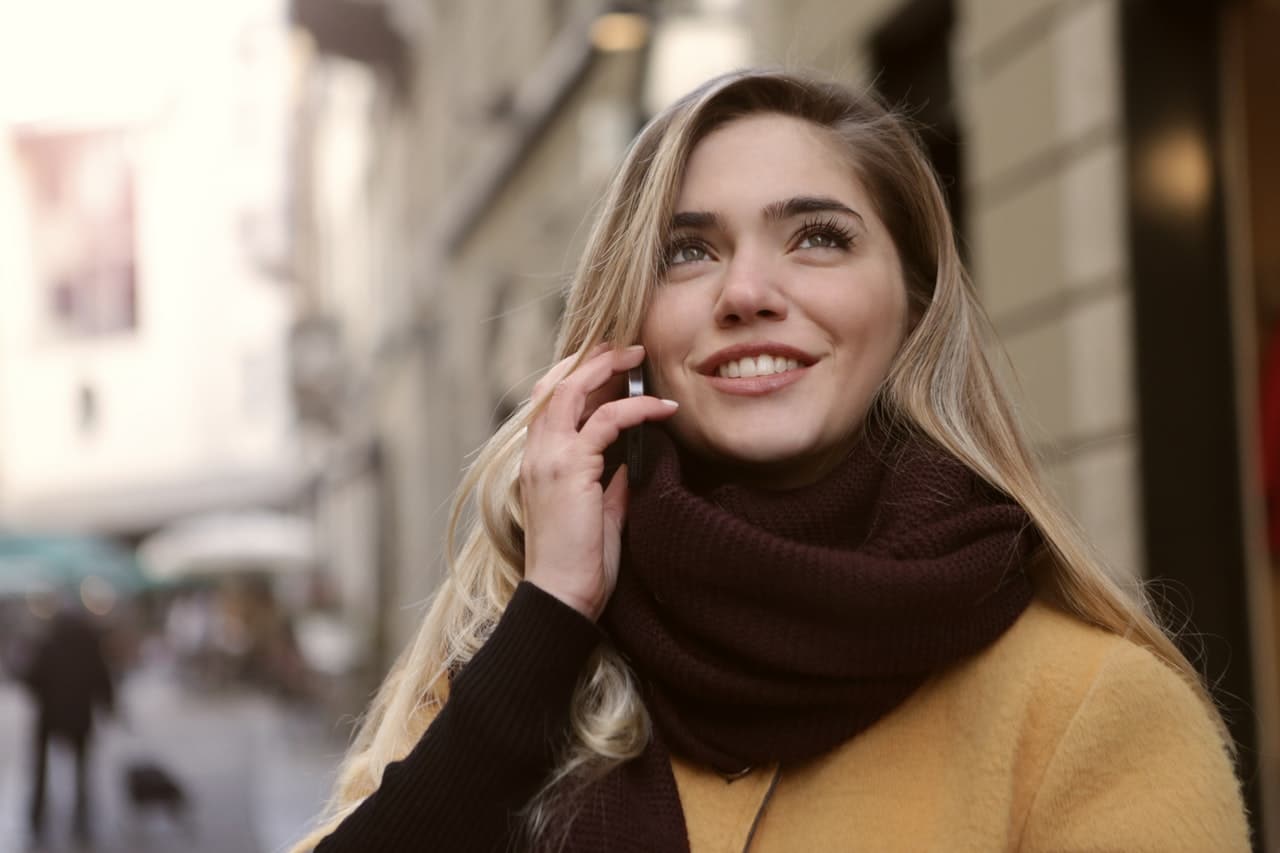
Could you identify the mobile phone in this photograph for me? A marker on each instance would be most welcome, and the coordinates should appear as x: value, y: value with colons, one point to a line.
x: 629, y: 447
x: 635, y: 435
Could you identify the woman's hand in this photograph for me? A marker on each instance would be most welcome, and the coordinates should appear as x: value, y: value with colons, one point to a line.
x: 572, y: 525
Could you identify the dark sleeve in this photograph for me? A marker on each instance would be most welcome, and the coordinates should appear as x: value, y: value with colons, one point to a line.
x: 492, y: 745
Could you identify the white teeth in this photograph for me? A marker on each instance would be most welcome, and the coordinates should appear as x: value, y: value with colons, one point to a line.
x: 763, y: 365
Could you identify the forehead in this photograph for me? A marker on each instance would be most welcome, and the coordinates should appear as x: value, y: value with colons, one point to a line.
x: 762, y: 158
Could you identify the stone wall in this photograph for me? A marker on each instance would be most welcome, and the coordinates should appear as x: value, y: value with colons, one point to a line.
x: 1040, y: 85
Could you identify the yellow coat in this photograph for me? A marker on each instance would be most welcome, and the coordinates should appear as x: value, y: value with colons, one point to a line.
x: 1059, y: 737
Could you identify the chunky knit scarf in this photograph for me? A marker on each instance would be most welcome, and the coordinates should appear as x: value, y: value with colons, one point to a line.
x: 773, y: 626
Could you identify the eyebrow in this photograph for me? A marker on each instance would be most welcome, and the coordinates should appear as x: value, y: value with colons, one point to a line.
x: 780, y: 210
x: 773, y: 212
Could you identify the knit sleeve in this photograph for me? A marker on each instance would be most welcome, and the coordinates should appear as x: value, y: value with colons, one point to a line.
x: 1140, y: 767
x: 492, y: 744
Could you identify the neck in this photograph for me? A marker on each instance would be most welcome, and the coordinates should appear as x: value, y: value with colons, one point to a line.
x: 774, y: 475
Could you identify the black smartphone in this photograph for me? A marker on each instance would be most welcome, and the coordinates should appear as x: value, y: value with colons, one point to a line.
x: 635, y: 435
x: 629, y: 447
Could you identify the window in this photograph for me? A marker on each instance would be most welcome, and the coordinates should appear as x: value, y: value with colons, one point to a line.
x: 80, y: 202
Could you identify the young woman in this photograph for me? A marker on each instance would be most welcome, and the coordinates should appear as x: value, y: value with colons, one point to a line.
x: 839, y: 611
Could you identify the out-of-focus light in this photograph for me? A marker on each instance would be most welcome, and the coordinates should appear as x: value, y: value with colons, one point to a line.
x: 614, y: 32
x: 688, y: 49
x: 1177, y: 174
x: 97, y: 595
x: 43, y: 604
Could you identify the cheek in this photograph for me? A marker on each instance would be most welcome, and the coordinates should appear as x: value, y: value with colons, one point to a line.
x: 869, y: 323
x: 885, y: 316
x: 891, y: 320
x: 665, y: 340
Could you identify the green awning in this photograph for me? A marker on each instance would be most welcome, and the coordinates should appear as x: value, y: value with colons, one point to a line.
x: 34, y: 563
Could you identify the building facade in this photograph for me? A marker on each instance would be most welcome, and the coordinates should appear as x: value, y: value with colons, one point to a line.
x: 142, y: 228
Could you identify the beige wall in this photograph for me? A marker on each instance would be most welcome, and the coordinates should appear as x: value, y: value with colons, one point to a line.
x: 479, y: 323
x: 1040, y: 85
x: 829, y: 35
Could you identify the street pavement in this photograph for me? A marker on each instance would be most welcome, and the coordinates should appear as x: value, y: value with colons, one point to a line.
x: 255, y: 771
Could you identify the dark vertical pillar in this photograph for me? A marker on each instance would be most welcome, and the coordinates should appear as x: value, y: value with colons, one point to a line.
x: 911, y: 54
x: 386, y: 533
x: 1192, y: 497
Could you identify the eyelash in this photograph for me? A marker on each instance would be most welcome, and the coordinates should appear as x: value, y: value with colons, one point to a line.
x: 841, y: 238
x: 678, y: 244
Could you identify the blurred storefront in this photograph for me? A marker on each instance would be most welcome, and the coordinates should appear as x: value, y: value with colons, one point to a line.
x: 1113, y: 173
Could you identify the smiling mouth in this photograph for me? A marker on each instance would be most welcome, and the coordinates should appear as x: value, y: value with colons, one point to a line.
x: 752, y: 366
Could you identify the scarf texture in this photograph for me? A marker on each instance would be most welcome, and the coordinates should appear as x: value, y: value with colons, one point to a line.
x: 773, y: 626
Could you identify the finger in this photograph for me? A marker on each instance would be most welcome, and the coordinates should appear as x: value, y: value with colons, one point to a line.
x: 563, y: 368
x: 603, y: 428
x: 569, y: 398
x: 615, y: 387
x: 545, y: 386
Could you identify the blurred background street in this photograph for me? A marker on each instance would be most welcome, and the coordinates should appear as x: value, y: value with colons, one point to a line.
x: 255, y: 770
x: 270, y: 270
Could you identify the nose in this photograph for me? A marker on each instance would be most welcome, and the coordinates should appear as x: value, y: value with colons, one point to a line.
x: 749, y: 294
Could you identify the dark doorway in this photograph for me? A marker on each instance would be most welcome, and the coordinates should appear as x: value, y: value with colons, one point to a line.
x: 1194, y: 532
x: 912, y: 61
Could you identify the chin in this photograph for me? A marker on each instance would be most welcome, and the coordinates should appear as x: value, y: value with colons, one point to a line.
x: 764, y: 455
x: 764, y: 451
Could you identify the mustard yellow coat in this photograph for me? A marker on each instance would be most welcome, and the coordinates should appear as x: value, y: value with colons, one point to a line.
x: 1059, y: 737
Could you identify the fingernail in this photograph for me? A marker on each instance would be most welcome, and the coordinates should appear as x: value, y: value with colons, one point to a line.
x: 634, y: 347
x: 672, y: 403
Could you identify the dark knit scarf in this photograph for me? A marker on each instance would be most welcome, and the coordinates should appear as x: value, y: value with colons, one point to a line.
x: 773, y: 626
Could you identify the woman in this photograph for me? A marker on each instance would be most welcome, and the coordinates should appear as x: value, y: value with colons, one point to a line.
x: 842, y: 613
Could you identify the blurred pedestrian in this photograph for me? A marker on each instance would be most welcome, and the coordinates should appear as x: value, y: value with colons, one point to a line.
x: 68, y: 677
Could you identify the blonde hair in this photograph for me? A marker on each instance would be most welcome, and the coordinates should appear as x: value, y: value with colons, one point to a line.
x: 940, y: 384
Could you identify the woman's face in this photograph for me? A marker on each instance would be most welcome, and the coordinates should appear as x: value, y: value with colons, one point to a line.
x: 783, y: 303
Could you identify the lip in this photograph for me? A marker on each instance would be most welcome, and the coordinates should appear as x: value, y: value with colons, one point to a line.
x: 709, y: 365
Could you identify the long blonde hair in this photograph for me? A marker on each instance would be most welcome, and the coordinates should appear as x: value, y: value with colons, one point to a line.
x: 941, y: 384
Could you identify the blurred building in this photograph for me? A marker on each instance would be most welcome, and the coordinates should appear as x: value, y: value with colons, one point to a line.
x: 143, y: 227
x: 449, y: 157
x: 1113, y: 173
